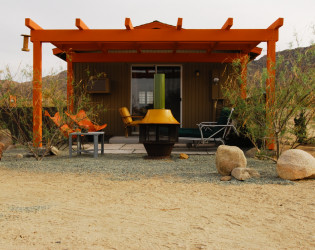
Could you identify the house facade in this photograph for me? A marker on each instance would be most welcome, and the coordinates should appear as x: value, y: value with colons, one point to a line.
x: 195, y: 63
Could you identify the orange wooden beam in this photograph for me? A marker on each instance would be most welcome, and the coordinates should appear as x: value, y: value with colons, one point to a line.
x: 57, y: 51
x: 244, y: 62
x: 32, y: 25
x: 270, y: 91
x: 86, y: 46
x: 155, y: 35
x: 155, y: 57
x: 256, y: 50
x: 277, y: 24
x: 179, y: 23
x: 37, y: 94
x: 70, y: 91
x: 228, y: 24
x: 128, y: 24
x: 80, y: 24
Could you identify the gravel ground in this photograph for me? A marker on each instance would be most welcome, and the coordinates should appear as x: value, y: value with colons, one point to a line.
x: 124, y: 167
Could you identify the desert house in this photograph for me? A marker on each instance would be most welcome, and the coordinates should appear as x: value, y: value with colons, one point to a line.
x: 195, y: 63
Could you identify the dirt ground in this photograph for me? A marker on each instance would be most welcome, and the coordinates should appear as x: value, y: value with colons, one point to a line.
x: 88, y: 211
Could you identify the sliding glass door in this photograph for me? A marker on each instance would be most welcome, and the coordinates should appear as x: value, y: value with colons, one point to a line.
x: 142, y: 87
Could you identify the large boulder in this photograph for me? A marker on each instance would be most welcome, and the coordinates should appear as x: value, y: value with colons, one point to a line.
x: 1, y: 149
x: 295, y: 164
x: 6, y: 138
x: 228, y: 158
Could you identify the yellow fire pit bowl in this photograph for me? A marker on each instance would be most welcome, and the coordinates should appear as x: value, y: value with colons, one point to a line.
x: 159, y: 116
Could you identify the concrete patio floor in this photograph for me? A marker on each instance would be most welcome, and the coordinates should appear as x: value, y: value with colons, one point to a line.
x: 131, y: 145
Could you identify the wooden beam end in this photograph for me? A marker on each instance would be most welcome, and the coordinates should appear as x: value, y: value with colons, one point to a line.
x: 277, y: 24
x: 228, y: 24
x: 128, y: 24
x: 179, y: 23
x: 32, y: 25
x: 80, y: 24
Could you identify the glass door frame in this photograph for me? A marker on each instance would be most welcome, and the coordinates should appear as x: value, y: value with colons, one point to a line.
x: 156, y: 65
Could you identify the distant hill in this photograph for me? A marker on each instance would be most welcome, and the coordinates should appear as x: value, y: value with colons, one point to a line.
x: 288, y: 55
x: 57, y: 83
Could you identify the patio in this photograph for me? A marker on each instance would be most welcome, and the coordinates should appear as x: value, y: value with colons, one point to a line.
x: 131, y: 145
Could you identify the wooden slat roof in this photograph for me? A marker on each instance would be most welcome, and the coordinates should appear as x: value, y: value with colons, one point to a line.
x: 167, y: 43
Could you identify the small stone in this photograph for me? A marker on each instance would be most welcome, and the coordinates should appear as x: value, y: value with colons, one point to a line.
x: 253, y: 172
x: 240, y: 173
x: 54, y: 150
x: 19, y: 156
x: 226, y: 178
x: 251, y: 153
x: 183, y: 156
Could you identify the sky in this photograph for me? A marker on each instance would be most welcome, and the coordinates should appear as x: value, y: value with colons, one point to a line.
x: 299, y: 19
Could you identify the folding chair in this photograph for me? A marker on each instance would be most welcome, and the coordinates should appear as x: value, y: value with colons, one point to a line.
x: 210, y: 131
x: 65, y: 128
x: 128, y: 119
x: 84, y: 122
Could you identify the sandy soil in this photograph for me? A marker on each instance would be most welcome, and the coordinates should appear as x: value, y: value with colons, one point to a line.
x: 85, y: 211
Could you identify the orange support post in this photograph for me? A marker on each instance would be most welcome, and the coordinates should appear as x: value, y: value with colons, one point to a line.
x: 37, y: 94
x: 244, y: 62
x: 270, y: 90
x: 70, y: 93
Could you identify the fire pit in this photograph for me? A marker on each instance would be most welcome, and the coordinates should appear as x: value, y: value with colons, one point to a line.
x: 159, y: 132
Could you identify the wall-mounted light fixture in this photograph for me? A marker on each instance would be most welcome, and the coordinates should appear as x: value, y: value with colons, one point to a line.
x: 25, y: 42
x: 215, y: 81
x: 197, y: 73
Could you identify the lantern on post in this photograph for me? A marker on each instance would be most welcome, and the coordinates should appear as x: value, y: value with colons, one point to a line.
x: 12, y: 101
x: 25, y: 42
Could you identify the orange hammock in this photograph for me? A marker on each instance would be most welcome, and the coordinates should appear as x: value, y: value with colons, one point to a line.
x: 84, y: 122
x: 65, y: 128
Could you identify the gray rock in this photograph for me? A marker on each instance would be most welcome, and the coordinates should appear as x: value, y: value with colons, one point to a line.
x: 243, y: 174
x: 253, y: 172
x: 240, y: 173
x: 251, y: 153
x: 19, y: 156
x: 228, y: 158
x: 296, y: 164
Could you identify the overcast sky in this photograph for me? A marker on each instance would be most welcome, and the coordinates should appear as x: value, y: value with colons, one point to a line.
x: 299, y: 17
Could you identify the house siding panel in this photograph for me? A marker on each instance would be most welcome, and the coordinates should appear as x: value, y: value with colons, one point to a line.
x: 119, y: 96
x: 197, y: 98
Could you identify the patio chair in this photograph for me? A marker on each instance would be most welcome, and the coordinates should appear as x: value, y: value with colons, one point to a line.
x: 128, y: 119
x: 65, y: 128
x: 84, y: 122
x: 210, y: 131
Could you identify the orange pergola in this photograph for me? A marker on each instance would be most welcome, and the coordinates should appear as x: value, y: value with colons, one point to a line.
x: 153, y: 42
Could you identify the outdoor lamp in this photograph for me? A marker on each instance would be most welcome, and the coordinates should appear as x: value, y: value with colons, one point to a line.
x: 25, y: 42
x: 197, y: 73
